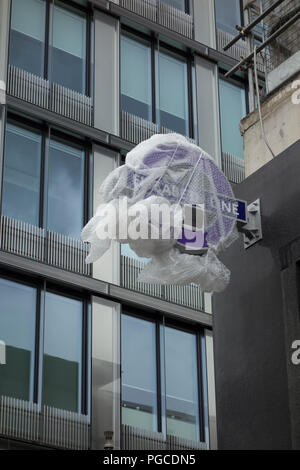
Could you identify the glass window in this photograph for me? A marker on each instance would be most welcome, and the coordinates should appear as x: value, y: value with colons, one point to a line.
x: 136, y: 78
x: 228, y: 15
x: 139, y: 387
x: 181, y: 383
x: 27, y: 37
x: 22, y: 168
x: 65, y: 202
x: 67, y: 63
x: 232, y: 109
x: 173, y: 94
x: 179, y: 4
x: 62, y: 358
x: 17, y: 330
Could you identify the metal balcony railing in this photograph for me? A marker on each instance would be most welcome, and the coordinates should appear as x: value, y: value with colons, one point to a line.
x: 141, y: 439
x: 159, y: 12
x: 189, y: 296
x: 54, y: 97
x: 135, y: 129
x: 43, y: 245
x: 20, y: 419
x: 175, y: 19
x: 233, y: 168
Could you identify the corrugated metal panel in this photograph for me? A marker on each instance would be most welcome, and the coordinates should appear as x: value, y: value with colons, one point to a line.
x: 43, y: 245
x: 19, y: 419
x: 190, y: 296
x: 178, y: 443
x: 145, y: 8
x: 61, y: 100
x: 160, y: 12
x: 141, y: 439
x: 66, y: 429
x: 175, y: 19
x: 135, y: 129
x: 23, y: 420
x: 233, y: 168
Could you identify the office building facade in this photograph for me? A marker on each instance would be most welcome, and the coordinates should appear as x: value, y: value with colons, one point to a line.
x: 90, y: 351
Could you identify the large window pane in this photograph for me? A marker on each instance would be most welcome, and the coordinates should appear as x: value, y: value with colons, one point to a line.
x: 228, y: 15
x: 136, y: 78
x: 179, y: 4
x: 173, y: 94
x: 139, y: 395
x: 233, y: 109
x: 22, y: 167
x: 67, y: 62
x: 62, y: 360
x: 65, y: 204
x: 181, y: 383
x: 27, y: 38
x: 17, y: 330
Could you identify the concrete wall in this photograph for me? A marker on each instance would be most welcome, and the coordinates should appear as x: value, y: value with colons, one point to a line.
x: 257, y: 318
x: 281, y: 122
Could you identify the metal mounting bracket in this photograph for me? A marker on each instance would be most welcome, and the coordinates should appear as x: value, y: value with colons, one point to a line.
x: 252, y: 230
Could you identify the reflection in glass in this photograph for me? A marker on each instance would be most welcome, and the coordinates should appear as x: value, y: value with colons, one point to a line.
x: 27, y: 36
x: 67, y: 63
x: 181, y: 383
x: 228, y: 15
x: 232, y: 109
x: 17, y: 330
x: 136, y: 89
x: 21, y: 182
x: 173, y: 94
x: 62, y: 359
x: 139, y: 395
x: 65, y: 205
x: 179, y: 4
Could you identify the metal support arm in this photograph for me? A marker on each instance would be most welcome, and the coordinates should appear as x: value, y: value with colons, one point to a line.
x: 252, y: 230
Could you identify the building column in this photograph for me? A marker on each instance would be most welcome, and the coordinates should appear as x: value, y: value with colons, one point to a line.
x: 204, y: 22
x: 107, y: 268
x: 207, y: 91
x: 106, y: 372
x: 211, y: 389
x: 107, y: 88
x: 4, y: 42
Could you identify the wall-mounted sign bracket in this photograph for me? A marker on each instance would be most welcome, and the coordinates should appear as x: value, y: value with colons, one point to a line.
x: 251, y: 230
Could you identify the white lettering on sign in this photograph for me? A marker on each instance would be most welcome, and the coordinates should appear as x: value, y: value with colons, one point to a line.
x: 2, y: 353
x: 296, y: 354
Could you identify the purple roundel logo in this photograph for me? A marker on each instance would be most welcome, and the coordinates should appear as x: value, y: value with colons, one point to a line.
x: 188, y: 176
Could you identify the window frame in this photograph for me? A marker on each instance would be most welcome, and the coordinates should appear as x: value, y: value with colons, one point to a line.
x: 238, y: 81
x: 88, y: 14
x: 39, y: 286
x: 72, y: 141
x: 155, y: 45
x: 159, y: 320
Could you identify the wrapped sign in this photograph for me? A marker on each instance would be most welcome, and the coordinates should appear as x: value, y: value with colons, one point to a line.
x: 172, y: 204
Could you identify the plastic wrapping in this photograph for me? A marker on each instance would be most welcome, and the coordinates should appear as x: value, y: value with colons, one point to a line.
x: 166, y: 170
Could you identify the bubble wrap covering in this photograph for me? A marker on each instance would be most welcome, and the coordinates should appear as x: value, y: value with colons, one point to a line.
x: 168, y: 168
